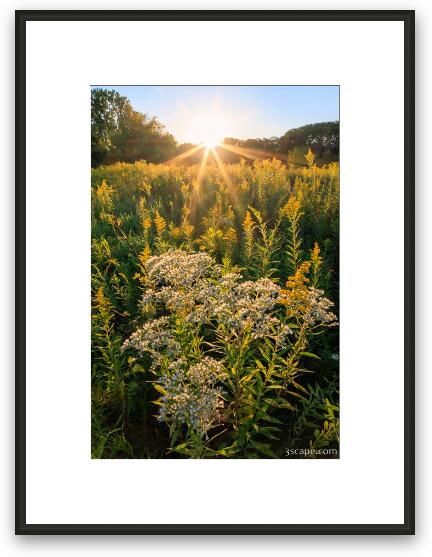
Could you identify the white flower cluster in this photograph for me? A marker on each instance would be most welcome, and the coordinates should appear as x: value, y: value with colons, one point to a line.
x: 178, y: 280
x: 193, y: 285
x: 319, y: 308
x: 155, y: 338
x: 242, y: 307
x: 178, y: 268
x: 192, y: 396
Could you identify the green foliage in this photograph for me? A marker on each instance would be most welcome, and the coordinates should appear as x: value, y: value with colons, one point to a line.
x: 266, y: 246
x: 322, y: 138
x: 317, y: 422
x: 120, y: 133
x: 274, y: 225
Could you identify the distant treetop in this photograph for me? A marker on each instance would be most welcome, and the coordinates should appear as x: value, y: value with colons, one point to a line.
x: 120, y: 133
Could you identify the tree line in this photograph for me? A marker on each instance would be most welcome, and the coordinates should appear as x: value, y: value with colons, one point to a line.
x: 322, y: 138
x: 119, y: 133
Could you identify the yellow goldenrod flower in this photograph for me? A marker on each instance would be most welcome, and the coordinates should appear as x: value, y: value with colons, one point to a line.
x: 160, y: 223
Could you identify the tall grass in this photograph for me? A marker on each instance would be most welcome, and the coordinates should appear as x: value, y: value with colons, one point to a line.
x: 251, y: 319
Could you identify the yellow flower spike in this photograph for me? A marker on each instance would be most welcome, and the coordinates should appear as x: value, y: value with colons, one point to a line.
x: 248, y: 223
x: 160, y: 223
x: 144, y: 256
x: 291, y: 209
x: 316, y: 259
x: 310, y: 158
x: 299, y: 279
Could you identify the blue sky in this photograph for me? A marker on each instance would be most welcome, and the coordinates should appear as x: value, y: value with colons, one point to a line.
x: 237, y: 111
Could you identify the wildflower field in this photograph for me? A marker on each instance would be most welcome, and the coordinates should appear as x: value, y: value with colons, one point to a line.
x: 214, y: 310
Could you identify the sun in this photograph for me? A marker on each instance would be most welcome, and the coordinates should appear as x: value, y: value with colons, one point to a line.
x: 207, y: 127
x: 211, y: 140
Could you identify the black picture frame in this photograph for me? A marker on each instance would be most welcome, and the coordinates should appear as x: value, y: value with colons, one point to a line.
x: 21, y: 527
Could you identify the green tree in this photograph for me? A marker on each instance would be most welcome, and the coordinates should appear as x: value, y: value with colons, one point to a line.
x: 107, y: 108
x: 120, y: 133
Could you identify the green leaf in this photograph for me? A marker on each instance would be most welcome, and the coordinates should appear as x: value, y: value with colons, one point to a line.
x: 262, y: 448
x: 271, y: 401
x: 310, y: 355
x: 160, y: 389
x: 286, y: 404
x: 297, y: 395
x: 267, y: 432
x: 267, y: 418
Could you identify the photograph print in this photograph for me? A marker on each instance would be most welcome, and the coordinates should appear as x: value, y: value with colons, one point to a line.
x: 214, y: 272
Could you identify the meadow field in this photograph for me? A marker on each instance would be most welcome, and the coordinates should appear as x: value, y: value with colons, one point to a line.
x: 215, y: 309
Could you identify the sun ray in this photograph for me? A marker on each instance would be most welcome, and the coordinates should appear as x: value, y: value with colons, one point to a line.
x: 185, y: 155
x: 203, y: 166
x: 251, y: 153
x: 194, y: 197
x: 230, y: 186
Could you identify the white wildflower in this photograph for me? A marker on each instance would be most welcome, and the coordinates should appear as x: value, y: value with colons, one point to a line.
x: 155, y: 338
x: 191, y: 394
x: 241, y: 306
x: 318, y: 310
x: 180, y: 269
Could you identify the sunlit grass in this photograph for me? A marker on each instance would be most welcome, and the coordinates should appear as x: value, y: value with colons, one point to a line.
x: 188, y: 254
